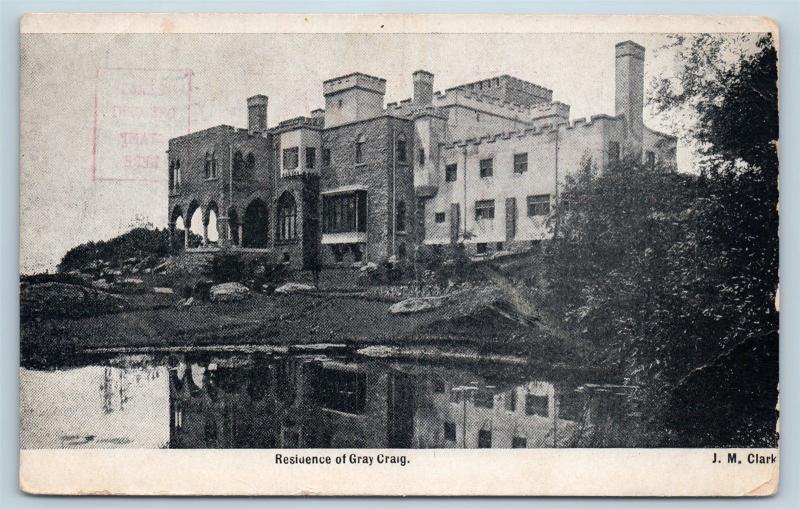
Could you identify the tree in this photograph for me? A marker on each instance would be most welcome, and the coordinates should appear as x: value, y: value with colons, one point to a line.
x: 737, y: 131
x: 673, y: 276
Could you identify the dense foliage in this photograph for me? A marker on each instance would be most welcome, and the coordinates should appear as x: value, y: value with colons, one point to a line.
x: 674, y: 275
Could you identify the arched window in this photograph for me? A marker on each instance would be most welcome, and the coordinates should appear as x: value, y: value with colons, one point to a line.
x: 213, y: 165
x: 207, y: 166
x: 360, y: 141
x: 401, y: 217
x: 287, y: 217
x: 175, y: 174
x: 401, y: 149
x: 238, y: 165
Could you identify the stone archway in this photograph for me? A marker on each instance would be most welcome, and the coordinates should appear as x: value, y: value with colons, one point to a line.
x: 256, y: 225
x: 210, y: 224
x: 193, y: 221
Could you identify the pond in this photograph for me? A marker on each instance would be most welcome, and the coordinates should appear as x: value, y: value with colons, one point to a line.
x: 258, y: 400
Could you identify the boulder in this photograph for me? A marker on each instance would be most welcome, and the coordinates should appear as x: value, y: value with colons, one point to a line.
x: 164, y: 290
x: 101, y: 284
x: 228, y: 292
x: 290, y: 288
x: 369, y: 267
x: 415, y: 305
x: 188, y: 302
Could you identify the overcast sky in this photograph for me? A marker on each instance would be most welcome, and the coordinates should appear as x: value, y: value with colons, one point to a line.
x: 62, y: 204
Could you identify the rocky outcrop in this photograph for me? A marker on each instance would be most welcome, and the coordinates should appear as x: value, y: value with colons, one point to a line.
x: 63, y: 300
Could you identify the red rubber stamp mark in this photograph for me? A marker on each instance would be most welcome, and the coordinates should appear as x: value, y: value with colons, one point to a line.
x: 136, y: 112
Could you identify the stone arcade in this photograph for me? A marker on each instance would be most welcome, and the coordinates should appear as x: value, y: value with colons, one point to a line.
x: 362, y: 181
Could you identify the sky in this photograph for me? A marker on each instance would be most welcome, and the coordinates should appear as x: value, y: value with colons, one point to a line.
x: 97, y: 110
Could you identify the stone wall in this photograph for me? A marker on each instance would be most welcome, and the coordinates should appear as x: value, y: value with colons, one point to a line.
x: 375, y: 175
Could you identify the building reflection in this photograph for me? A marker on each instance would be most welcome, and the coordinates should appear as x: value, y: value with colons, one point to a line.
x: 320, y: 402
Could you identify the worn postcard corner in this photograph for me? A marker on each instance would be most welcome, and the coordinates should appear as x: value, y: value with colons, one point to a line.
x: 398, y: 254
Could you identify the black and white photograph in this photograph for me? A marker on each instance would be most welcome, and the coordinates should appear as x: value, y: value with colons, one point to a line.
x: 354, y: 245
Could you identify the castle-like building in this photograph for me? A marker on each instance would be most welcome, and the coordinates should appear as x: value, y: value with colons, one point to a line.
x: 361, y: 180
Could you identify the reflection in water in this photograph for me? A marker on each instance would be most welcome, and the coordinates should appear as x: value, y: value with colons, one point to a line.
x: 317, y: 401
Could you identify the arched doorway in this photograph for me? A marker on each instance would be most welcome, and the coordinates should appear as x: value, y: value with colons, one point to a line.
x: 212, y: 213
x: 256, y: 225
x: 194, y: 215
x: 176, y: 228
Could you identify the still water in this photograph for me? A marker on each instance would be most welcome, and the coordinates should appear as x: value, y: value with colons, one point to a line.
x: 207, y: 400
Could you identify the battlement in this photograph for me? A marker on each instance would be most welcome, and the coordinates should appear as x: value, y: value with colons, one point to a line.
x: 354, y: 80
x: 461, y: 97
x: 509, y: 89
x: 298, y: 123
x: 218, y: 130
x: 560, y: 125
x: 551, y: 109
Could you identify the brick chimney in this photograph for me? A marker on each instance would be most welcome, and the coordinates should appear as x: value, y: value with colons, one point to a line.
x: 423, y: 88
x: 257, y: 114
x: 629, y: 97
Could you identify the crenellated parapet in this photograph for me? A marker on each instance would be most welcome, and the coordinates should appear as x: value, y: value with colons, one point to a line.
x: 560, y: 125
x: 299, y: 122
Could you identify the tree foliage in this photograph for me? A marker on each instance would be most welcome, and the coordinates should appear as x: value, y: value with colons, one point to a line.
x: 674, y: 275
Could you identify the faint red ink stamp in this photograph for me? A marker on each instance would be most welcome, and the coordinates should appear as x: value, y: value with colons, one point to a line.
x: 136, y: 112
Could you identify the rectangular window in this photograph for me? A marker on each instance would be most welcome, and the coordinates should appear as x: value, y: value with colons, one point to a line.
x: 311, y: 158
x: 359, y: 151
x: 450, y: 172
x: 650, y: 159
x: 538, y: 205
x: 326, y: 157
x: 450, y: 431
x: 343, y: 213
x: 499, y: 246
x: 520, y: 163
x: 613, y: 152
x: 401, y: 150
x: 536, y: 405
x: 439, y: 217
x: 487, y: 168
x: 421, y: 156
x: 570, y: 405
x: 519, y: 443
x: 291, y: 158
x: 484, y: 399
x: 344, y: 391
x: 484, y: 209
x: 480, y: 247
x: 484, y: 439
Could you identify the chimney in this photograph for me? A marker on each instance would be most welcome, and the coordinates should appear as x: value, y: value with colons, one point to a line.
x: 423, y: 88
x: 629, y: 97
x: 257, y: 114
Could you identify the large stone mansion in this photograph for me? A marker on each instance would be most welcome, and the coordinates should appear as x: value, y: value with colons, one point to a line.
x: 362, y: 180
